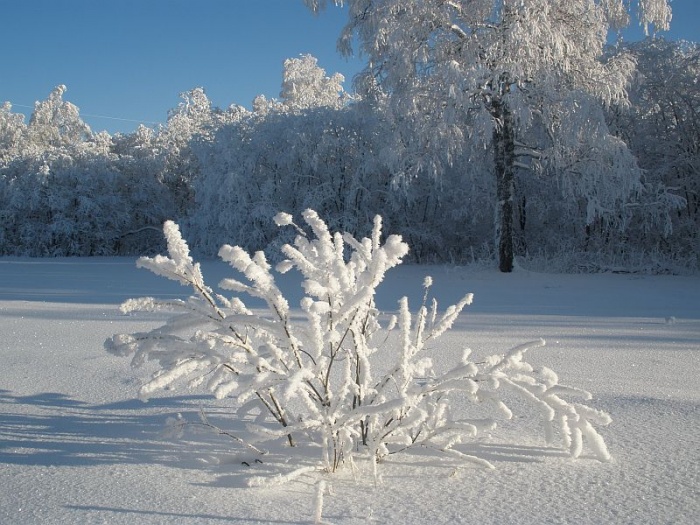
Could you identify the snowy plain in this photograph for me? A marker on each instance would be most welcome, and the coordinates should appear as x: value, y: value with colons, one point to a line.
x: 77, y: 447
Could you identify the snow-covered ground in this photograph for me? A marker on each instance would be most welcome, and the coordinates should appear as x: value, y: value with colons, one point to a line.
x: 76, y: 447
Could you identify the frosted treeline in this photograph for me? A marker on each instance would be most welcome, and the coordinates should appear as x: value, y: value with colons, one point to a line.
x: 622, y: 195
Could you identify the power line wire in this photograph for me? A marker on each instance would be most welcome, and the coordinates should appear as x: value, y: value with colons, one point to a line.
x: 97, y: 116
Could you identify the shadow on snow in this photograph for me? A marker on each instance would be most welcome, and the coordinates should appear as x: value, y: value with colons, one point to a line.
x: 51, y: 429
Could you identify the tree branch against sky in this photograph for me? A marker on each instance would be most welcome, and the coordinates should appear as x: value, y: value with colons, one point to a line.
x: 502, y: 59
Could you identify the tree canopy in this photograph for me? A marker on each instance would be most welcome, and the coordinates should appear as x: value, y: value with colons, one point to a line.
x: 490, y: 70
x: 591, y: 174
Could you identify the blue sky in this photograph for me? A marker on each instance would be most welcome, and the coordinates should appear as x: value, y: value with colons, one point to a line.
x: 130, y: 59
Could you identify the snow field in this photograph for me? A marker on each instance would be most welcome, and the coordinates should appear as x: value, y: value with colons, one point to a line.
x: 76, y: 447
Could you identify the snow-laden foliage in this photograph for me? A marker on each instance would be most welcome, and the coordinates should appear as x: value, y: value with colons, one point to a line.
x: 67, y: 191
x: 12, y: 132
x: 56, y: 122
x: 305, y: 85
x: 336, y: 371
x: 486, y: 71
x: 662, y: 129
x: 594, y: 188
x: 335, y: 161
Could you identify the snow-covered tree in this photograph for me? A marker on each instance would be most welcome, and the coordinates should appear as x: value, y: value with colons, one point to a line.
x: 306, y: 150
x: 66, y: 191
x: 662, y: 127
x: 80, y: 202
x: 305, y: 85
x: 486, y: 70
x: 280, y: 158
x: 56, y: 122
x: 194, y: 115
x: 339, y: 159
x: 194, y: 119
x: 13, y: 132
x: 334, y: 372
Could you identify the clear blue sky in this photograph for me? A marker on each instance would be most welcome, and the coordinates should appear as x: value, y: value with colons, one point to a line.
x: 130, y: 59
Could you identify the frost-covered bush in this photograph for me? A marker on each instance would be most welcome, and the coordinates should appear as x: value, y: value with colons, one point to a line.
x: 336, y: 372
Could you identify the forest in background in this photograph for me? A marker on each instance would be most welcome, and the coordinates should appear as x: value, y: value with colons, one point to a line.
x: 623, y: 195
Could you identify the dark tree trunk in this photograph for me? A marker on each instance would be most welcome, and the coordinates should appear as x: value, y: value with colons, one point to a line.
x: 504, y: 159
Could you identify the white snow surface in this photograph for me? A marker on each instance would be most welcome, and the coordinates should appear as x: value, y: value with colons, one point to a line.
x: 77, y: 447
